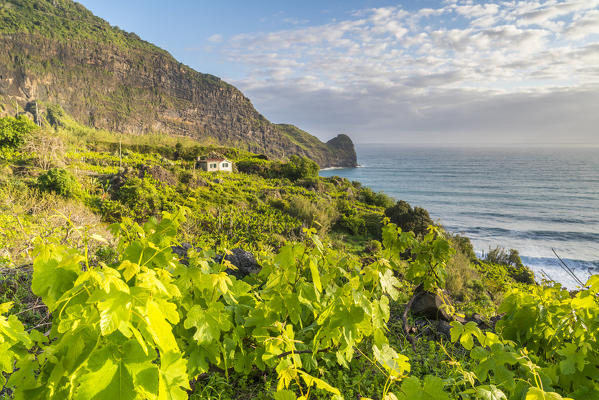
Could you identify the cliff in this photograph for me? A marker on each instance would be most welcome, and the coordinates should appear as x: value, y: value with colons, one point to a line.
x: 58, y: 52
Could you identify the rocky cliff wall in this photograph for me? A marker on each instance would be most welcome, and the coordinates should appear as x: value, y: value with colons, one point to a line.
x: 135, y: 90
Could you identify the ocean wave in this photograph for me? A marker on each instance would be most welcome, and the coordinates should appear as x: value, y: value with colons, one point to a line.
x: 534, y: 218
x: 540, y: 235
x: 551, y: 269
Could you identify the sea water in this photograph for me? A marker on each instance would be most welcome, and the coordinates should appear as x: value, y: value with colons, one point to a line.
x: 535, y: 200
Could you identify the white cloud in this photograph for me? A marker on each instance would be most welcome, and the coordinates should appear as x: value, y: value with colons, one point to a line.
x: 585, y: 26
x: 216, y: 38
x: 462, y: 67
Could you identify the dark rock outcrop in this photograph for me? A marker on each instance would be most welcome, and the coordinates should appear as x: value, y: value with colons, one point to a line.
x: 430, y: 306
x: 244, y: 261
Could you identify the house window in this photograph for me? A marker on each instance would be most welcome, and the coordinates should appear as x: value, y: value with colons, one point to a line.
x: 212, y: 165
x: 225, y: 165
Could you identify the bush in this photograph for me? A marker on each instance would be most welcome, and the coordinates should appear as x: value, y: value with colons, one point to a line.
x: 379, y: 199
x: 373, y: 247
x: 407, y: 218
x: 14, y: 131
x: 141, y: 197
x: 460, y: 276
x: 353, y: 224
x: 511, y: 259
x: 255, y: 166
x: 499, y: 255
x: 373, y: 224
x: 60, y: 181
x: 462, y: 244
x: 300, y: 167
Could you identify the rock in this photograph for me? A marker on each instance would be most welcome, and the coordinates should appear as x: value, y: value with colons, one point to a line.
x: 181, y: 252
x: 160, y: 174
x: 343, y: 146
x: 479, y: 321
x: 443, y: 327
x: 244, y: 261
x: 431, y: 306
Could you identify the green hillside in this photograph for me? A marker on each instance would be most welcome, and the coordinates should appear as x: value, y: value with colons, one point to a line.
x: 113, y: 283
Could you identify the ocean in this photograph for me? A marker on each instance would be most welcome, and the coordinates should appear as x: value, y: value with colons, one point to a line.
x: 530, y: 199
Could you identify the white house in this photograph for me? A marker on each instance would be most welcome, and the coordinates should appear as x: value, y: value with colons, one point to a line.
x: 211, y: 164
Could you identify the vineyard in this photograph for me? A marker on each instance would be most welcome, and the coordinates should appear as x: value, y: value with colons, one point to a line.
x: 97, y: 300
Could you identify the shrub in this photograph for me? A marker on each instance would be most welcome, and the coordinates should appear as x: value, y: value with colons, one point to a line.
x: 256, y: 166
x: 279, y: 204
x: 379, y: 199
x: 14, y: 131
x: 300, y: 167
x: 511, y: 259
x: 463, y: 244
x: 373, y: 224
x: 460, y: 275
x: 373, y: 247
x: 499, y: 255
x: 141, y: 197
x: 353, y: 224
x: 60, y: 181
x: 407, y: 218
x: 310, y: 183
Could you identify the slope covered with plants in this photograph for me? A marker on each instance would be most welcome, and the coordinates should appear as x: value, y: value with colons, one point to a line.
x: 117, y: 280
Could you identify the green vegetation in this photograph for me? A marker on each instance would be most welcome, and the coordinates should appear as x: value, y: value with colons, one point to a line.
x: 98, y: 302
x: 410, y: 219
x: 14, y: 131
x: 64, y: 20
x: 59, y: 181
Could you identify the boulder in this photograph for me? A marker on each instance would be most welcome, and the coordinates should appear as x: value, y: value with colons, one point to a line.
x: 244, y: 261
x: 430, y: 306
x: 160, y: 174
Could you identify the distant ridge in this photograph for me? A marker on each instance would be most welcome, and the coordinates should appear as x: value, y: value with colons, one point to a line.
x: 58, y: 52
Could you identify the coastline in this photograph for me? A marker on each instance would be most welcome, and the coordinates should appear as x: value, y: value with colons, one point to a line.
x: 531, y: 200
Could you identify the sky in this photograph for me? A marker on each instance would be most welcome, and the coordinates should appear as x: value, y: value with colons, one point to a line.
x: 427, y: 72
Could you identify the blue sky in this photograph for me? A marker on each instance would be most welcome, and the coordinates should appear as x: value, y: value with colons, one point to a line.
x: 453, y: 71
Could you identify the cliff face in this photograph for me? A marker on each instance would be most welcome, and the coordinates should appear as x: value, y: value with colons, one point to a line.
x: 344, y: 150
x: 57, y: 52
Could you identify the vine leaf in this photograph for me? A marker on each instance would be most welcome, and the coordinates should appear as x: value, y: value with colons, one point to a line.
x: 390, y: 284
x: 173, y: 377
x: 537, y: 394
x: 209, y: 322
x: 430, y: 389
x: 490, y: 392
x: 54, y: 272
x: 395, y: 364
x: 575, y: 358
